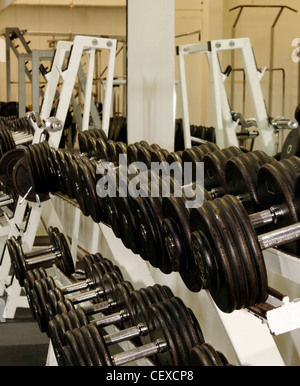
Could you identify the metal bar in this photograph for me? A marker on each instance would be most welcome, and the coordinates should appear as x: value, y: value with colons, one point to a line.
x: 263, y: 6
x: 42, y: 259
x: 279, y: 236
x: 68, y: 289
x: 269, y: 216
x: 138, y: 353
x: 85, y: 296
x: 88, y: 90
x: 272, y: 61
x: 112, y: 319
x: 127, y: 334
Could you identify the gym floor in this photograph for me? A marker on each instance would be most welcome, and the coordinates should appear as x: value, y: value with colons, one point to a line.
x: 21, y: 341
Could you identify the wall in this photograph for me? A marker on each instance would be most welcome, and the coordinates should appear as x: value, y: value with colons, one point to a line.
x: 207, y: 17
x: 60, y: 20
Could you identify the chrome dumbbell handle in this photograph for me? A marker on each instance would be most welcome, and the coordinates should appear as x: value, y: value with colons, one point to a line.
x: 265, y: 217
x: 43, y: 259
x: 279, y: 236
x: 144, y: 351
x: 76, y: 287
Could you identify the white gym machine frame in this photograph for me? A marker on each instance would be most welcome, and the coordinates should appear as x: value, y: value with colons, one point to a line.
x: 224, y: 123
x: 80, y: 45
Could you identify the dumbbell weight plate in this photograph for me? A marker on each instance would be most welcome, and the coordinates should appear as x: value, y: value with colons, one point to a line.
x: 174, y: 210
x: 224, y: 294
x: 51, y: 167
x: 254, y: 264
x: 28, y: 285
x: 159, y: 330
x: 101, y: 149
x: 148, y: 232
x: 239, y: 257
x: 35, y: 173
x: 35, y: 274
x: 124, y: 302
x: 65, y: 262
x: 65, y: 174
x: 21, y: 261
x: 83, y: 141
x: 88, y: 186
x: 276, y: 188
x: 128, y: 224
x: 72, y: 342
x: 183, y: 336
x: 159, y: 258
x: 96, y: 358
x: 192, y: 326
x: 22, y: 182
x: 7, y: 164
x: 77, y: 185
x: 100, y: 345
x: 215, y: 162
x: 196, y: 325
x: 241, y: 178
x: 205, y: 355
x: 178, y: 334
x: 41, y: 166
x: 291, y: 145
x: 84, y: 348
x: 54, y: 335
x: 40, y: 308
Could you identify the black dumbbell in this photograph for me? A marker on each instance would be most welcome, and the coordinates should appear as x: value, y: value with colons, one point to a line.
x: 279, y: 176
x: 125, y: 302
x: 228, y: 253
x: 87, y: 261
x: 205, y: 355
x: 164, y: 330
x: 45, y: 294
x: 57, y: 253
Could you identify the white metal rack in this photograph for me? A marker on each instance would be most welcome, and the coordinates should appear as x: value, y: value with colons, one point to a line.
x: 81, y: 44
x: 224, y: 123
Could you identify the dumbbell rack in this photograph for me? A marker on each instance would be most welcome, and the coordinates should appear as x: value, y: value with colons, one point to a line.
x: 260, y: 348
x: 81, y: 44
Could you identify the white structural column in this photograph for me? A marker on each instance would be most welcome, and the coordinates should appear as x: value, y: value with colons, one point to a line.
x: 151, y: 71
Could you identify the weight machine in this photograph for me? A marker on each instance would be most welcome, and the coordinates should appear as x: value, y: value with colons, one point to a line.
x: 227, y: 121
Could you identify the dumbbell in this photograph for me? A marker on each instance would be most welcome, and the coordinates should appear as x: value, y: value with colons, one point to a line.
x: 149, y: 295
x: 7, y: 164
x: 6, y: 141
x: 127, y: 304
x: 37, y: 274
x: 44, y: 295
x: 228, y: 253
x: 148, y: 213
x: 57, y: 253
x: 281, y: 211
x: 173, y: 206
x: 169, y: 339
x: 93, y: 134
x: 205, y: 355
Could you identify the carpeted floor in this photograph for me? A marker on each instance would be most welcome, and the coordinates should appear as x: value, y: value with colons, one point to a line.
x: 21, y: 341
